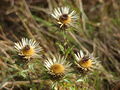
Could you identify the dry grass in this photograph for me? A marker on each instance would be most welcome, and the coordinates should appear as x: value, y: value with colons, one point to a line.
x: 97, y: 30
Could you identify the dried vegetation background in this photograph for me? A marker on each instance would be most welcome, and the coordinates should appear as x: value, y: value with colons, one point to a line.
x: 98, y: 30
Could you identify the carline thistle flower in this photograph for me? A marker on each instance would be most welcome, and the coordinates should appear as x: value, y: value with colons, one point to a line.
x: 27, y: 48
x: 65, y: 16
x: 57, y: 67
x: 85, y: 62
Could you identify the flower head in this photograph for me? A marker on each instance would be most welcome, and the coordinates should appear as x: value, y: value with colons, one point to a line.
x: 57, y: 67
x: 85, y: 62
x: 27, y: 48
x: 64, y: 16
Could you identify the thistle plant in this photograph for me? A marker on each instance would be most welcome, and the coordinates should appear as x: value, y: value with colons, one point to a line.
x: 58, y: 69
x: 27, y: 48
x: 85, y: 62
x: 64, y: 16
